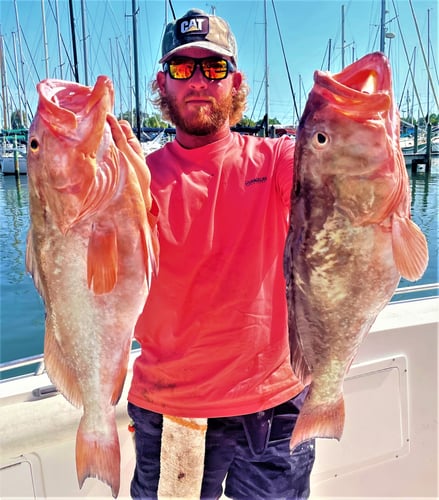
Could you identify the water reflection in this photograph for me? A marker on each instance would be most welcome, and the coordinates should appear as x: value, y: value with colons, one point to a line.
x: 424, y: 209
x: 14, y: 216
x: 21, y: 311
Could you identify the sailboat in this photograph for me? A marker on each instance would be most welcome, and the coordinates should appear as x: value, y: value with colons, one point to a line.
x: 12, y: 141
x: 13, y: 154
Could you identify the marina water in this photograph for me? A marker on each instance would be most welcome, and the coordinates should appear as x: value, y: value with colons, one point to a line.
x: 22, y: 310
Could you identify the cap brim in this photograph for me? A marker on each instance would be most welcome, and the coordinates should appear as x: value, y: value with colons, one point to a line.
x: 203, y: 44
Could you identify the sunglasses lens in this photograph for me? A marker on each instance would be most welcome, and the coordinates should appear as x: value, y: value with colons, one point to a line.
x: 184, y: 68
x: 214, y: 69
x: 181, y: 70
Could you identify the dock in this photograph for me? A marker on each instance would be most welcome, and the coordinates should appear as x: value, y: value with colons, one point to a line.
x: 415, y: 157
x: 413, y: 160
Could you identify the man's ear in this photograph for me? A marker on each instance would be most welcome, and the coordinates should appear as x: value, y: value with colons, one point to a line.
x: 161, y: 78
x: 237, y: 80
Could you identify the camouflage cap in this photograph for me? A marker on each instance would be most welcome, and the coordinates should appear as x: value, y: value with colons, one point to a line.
x: 198, y: 29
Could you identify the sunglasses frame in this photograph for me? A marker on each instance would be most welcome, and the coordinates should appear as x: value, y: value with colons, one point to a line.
x: 230, y: 68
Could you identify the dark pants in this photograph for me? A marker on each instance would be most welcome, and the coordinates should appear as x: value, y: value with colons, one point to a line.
x: 250, y: 452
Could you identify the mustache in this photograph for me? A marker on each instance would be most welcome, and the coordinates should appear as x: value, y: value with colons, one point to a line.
x: 199, y: 95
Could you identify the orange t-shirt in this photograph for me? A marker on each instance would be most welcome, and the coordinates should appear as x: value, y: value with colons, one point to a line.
x: 214, y: 328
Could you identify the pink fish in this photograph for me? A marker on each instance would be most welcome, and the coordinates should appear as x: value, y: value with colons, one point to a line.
x: 351, y: 237
x: 91, y: 251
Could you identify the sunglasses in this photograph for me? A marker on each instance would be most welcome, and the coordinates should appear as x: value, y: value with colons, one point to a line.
x: 213, y: 68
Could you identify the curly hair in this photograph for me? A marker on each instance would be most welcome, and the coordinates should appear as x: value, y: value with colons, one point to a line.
x: 239, y: 102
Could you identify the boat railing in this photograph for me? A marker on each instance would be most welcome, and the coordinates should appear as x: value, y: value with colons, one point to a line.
x: 429, y: 287
x: 38, y: 359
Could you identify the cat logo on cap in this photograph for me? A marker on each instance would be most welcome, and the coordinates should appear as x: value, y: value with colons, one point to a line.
x: 198, y: 25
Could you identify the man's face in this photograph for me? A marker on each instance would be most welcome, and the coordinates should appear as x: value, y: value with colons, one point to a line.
x: 198, y: 106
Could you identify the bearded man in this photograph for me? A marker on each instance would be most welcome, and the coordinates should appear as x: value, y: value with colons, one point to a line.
x: 213, y: 333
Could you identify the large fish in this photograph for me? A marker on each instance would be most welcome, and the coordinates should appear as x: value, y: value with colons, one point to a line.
x: 91, y: 251
x: 351, y: 237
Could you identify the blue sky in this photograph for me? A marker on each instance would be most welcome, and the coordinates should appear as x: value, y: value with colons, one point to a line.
x: 305, y: 30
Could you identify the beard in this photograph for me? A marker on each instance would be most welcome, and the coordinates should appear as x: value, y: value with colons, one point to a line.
x: 205, y: 120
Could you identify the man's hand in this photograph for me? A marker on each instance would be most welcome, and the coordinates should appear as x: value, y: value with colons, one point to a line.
x: 129, y: 145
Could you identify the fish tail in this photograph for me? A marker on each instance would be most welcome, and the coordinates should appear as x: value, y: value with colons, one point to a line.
x: 323, y: 421
x: 98, y: 454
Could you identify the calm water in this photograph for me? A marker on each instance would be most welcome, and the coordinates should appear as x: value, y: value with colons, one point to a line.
x: 22, y: 312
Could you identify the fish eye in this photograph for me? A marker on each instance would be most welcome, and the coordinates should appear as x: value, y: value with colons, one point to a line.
x: 321, y: 139
x: 34, y: 144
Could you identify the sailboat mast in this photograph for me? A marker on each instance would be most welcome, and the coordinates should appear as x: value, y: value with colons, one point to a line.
x: 383, y: 26
x: 75, y: 54
x: 136, y: 67
x: 84, y: 41
x: 5, y: 99
x: 428, y: 65
x: 17, y: 76
x: 46, y: 50
x: 23, y: 93
x: 58, y: 31
x: 342, y: 37
x: 329, y: 54
x: 267, y: 106
x: 412, y: 113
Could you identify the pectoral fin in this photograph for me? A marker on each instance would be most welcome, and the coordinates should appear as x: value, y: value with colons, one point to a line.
x: 410, y: 250
x: 102, y: 259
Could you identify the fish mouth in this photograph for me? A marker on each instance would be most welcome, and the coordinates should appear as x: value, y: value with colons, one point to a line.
x: 364, y: 87
x: 76, y: 111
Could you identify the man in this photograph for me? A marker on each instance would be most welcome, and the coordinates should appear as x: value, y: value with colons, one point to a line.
x: 214, y: 329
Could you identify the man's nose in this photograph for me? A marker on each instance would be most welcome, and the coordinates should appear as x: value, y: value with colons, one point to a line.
x: 198, y: 79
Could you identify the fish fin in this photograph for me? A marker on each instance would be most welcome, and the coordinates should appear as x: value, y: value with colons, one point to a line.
x: 121, y: 371
x: 410, y: 250
x: 98, y: 453
x: 299, y: 365
x: 60, y: 373
x: 118, y: 386
x: 102, y: 260
x: 298, y: 361
x: 322, y: 421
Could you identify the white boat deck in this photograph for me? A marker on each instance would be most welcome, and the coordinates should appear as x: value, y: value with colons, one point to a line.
x: 389, y: 448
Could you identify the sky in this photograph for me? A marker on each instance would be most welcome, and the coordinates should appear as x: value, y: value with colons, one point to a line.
x: 299, y: 34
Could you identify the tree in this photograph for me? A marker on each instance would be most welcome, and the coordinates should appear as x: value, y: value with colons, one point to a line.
x: 246, y: 122
x: 154, y: 121
x: 17, y: 119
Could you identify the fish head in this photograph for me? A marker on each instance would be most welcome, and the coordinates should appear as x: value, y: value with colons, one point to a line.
x: 66, y: 138
x: 348, y: 136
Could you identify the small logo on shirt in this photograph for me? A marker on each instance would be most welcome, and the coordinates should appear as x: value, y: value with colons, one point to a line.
x: 256, y: 180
